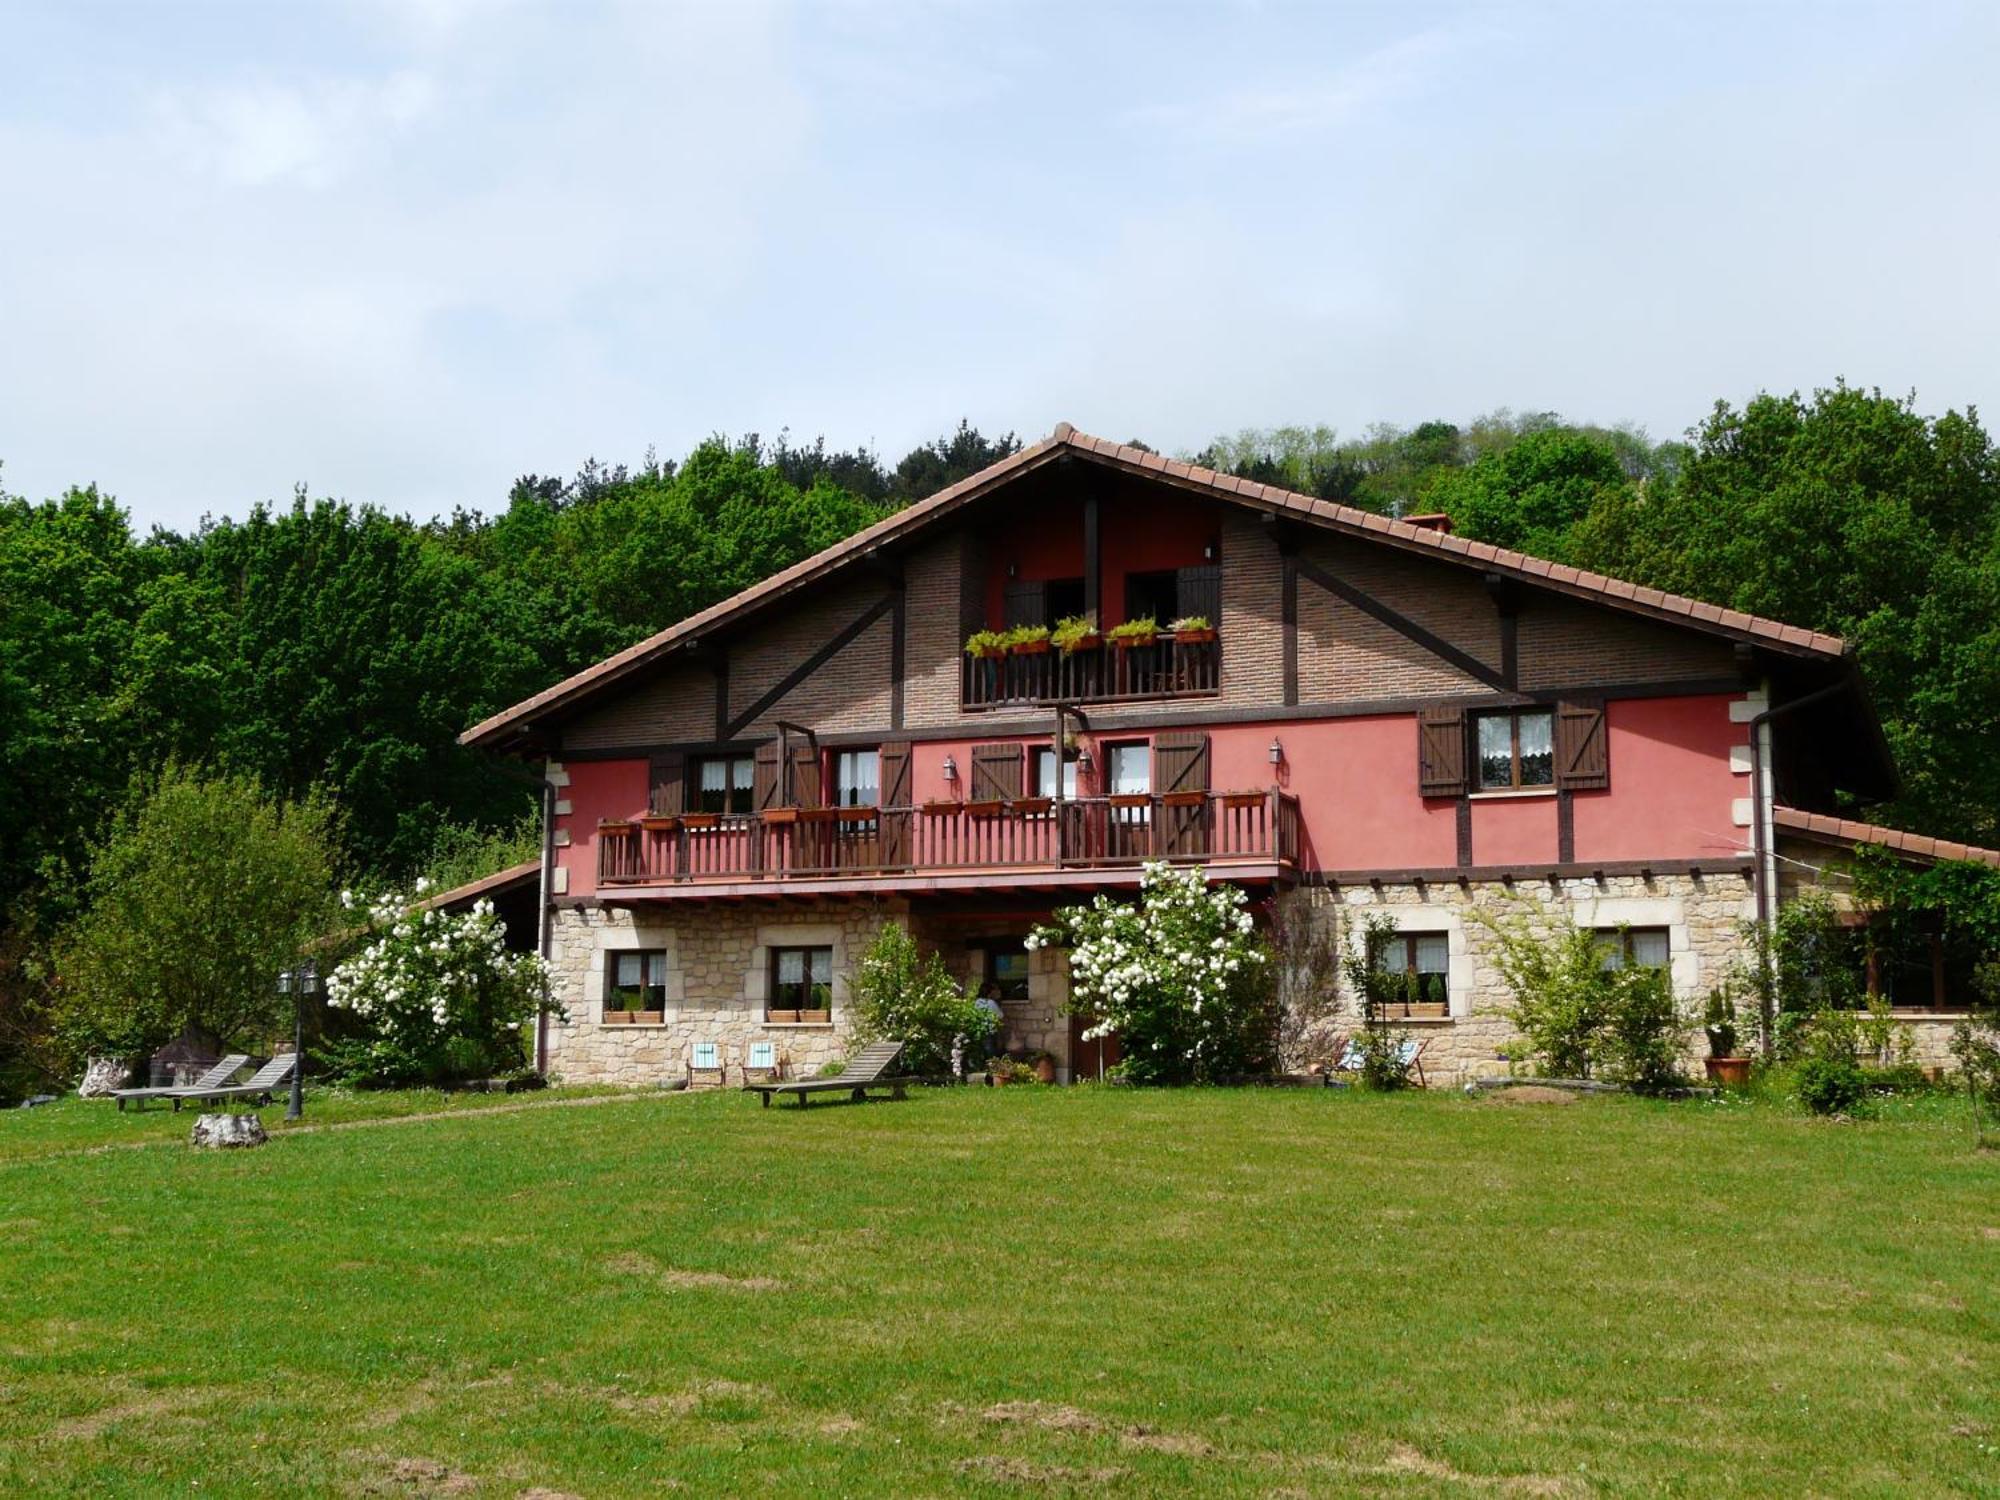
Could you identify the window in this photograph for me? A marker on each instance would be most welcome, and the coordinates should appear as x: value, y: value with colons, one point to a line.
x: 722, y: 784
x: 1045, y: 773
x: 1517, y: 749
x: 1633, y: 947
x: 1131, y: 768
x: 1153, y: 595
x: 801, y: 979
x: 857, y: 778
x: 1423, y: 959
x: 1061, y: 598
x: 1007, y: 969
x: 638, y: 981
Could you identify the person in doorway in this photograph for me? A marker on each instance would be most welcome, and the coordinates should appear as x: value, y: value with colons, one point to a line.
x: 992, y: 1044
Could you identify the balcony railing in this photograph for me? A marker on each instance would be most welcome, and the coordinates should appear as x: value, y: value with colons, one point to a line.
x: 1165, y: 667
x: 1036, y: 833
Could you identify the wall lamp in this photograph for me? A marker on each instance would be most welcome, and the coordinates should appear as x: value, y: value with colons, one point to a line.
x: 1277, y: 752
x: 950, y: 769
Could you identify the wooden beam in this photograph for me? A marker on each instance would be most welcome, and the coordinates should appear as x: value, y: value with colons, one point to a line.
x: 1437, y: 645
x: 811, y: 664
x: 1093, y: 557
x: 1289, y: 565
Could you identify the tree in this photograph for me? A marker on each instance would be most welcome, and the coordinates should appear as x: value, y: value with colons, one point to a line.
x: 902, y: 994
x: 204, y: 889
x: 934, y: 466
x: 1530, y: 495
x: 1180, y: 977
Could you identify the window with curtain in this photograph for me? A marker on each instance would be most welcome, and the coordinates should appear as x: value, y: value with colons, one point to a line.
x: 1423, y: 961
x: 1516, y: 749
x: 857, y: 778
x: 722, y: 784
x: 638, y: 981
x: 1633, y: 947
x: 801, y: 979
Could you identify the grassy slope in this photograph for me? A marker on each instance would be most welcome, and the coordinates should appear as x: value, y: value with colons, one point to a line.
x: 1240, y: 1293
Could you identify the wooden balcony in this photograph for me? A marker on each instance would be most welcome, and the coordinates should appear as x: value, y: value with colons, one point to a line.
x: 1077, y: 837
x: 1166, y: 667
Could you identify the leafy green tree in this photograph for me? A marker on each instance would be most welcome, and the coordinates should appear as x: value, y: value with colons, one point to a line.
x: 902, y: 994
x: 1530, y: 494
x: 205, y: 888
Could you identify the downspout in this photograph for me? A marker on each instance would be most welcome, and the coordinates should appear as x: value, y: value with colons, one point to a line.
x: 544, y: 927
x: 1763, y: 827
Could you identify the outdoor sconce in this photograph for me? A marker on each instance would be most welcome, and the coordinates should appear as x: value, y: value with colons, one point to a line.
x: 1083, y: 762
x: 1277, y: 752
x: 950, y: 769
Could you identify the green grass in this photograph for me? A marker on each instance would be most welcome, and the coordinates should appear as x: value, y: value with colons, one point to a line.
x: 1010, y: 1291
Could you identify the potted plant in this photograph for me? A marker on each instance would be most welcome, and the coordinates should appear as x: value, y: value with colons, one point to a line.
x: 1045, y: 1067
x: 1719, y: 1020
x: 782, y: 1017
x: 1190, y: 629
x: 1074, y: 633
x: 648, y: 1017
x: 618, y: 1017
x: 1028, y: 640
x: 1130, y: 633
x: 988, y: 644
x: 823, y: 1013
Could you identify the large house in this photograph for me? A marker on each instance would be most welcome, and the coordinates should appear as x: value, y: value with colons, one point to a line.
x: 1382, y: 714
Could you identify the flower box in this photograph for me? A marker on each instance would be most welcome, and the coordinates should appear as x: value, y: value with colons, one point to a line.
x: 1130, y: 799
x: 781, y: 815
x: 1033, y: 807
x: 782, y: 1017
x: 984, y: 809
x: 1242, y: 799
x: 1030, y: 648
x: 987, y: 653
x: 1127, y: 642
x: 619, y: 1017
x: 1082, y: 643
x: 815, y: 1017
x: 1183, y: 799
x: 1194, y: 637
x: 857, y: 814
x: 617, y: 828
x: 661, y: 824
x: 818, y: 814
x: 941, y: 809
x: 701, y: 819
x: 648, y: 1017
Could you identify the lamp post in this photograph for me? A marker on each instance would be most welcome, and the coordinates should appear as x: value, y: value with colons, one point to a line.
x: 298, y: 983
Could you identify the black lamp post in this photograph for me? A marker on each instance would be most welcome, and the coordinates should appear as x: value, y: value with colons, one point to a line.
x: 298, y: 983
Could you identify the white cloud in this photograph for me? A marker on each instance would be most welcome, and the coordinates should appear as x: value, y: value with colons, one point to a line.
x: 255, y: 134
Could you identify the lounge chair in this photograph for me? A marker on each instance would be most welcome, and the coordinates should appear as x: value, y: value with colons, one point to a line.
x: 707, y: 1067
x: 215, y: 1077
x: 867, y: 1069
x: 1410, y: 1053
x: 263, y: 1085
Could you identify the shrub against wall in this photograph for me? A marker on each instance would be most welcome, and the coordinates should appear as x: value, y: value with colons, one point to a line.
x: 438, y: 993
x: 1379, y: 1044
x: 902, y: 994
x: 1180, y: 977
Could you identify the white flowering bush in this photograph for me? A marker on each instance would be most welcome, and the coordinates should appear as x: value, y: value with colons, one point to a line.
x: 1181, y: 978
x: 436, y: 994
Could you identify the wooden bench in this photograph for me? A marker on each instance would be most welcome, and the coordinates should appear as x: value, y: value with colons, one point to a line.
x: 867, y: 1069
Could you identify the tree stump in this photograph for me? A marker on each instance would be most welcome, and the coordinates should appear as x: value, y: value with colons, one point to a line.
x: 221, y: 1132
x: 101, y: 1075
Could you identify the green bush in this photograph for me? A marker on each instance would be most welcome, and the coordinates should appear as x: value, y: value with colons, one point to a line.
x: 1829, y: 1085
x: 902, y: 994
x: 1379, y: 1043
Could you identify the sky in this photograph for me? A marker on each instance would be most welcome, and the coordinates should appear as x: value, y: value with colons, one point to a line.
x: 402, y: 253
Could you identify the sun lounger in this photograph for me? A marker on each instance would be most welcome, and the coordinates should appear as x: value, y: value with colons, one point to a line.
x: 262, y: 1085
x: 1409, y: 1052
x: 215, y: 1077
x: 867, y: 1069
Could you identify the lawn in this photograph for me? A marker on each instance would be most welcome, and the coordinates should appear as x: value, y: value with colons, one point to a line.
x: 1009, y: 1291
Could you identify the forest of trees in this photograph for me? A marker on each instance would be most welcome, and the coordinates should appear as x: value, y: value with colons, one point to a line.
x: 327, y: 647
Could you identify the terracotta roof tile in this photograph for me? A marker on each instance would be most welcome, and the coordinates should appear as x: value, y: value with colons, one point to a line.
x: 1826, y: 827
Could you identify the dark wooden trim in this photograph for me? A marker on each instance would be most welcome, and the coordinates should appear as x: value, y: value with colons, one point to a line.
x: 722, y: 696
x: 1093, y: 558
x: 1464, y: 832
x: 1565, y: 826
x: 1506, y: 597
x: 812, y: 664
x: 1288, y: 565
x: 1575, y: 870
x: 1001, y: 724
x: 898, y: 649
x: 1403, y: 625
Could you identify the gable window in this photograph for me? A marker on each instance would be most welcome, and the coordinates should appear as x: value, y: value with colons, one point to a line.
x: 1517, y: 748
x: 1423, y: 962
x: 1633, y: 948
x: 1045, y: 773
x: 801, y: 980
x: 857, y: 778
x: 722, y: 784
x: 638, y: 981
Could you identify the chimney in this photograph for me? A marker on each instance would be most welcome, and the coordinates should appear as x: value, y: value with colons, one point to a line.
x: 1435, y: 520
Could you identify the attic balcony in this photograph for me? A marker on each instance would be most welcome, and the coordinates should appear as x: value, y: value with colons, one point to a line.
x: 981, y: 846
x: 1108, y: 671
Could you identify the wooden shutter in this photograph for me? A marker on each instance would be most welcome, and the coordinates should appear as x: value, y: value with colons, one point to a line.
x: 1200, y: 592
x: 768, y: 787
x: 805, y: 777
x: 1024, y: 604
x: 1180, y: 764
x: 668, y: 777
x: 896, y: 801
x: 996, y: 773
x: 1583, y: 747
x: 1441, y: 752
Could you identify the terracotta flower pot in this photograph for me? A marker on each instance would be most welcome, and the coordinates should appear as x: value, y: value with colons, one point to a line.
x: 1127, y: 642
x: 1083, y: 643
x: 1030, y: 648
x: 1730, y: 1072
x: 702, y: 819
x: 1045, y: 1069
x: 1194, y: 637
